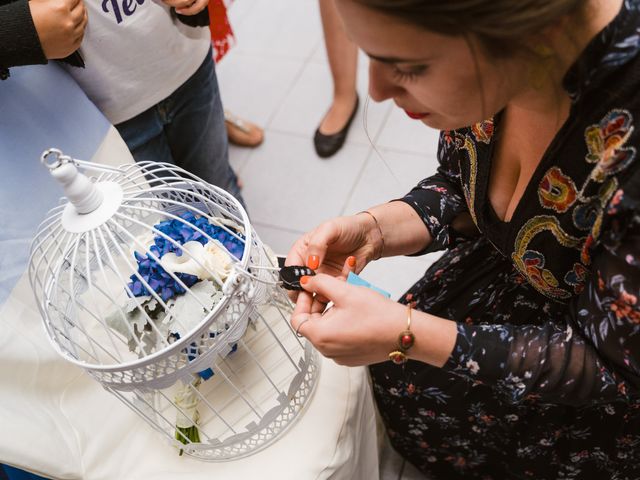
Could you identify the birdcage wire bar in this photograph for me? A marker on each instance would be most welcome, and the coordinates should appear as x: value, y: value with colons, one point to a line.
x: 261, y: 374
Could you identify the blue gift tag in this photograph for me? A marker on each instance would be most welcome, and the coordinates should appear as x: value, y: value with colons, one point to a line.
x: 354, y: 279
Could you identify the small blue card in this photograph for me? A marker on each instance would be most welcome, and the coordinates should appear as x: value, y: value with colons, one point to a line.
x: 354, y: 279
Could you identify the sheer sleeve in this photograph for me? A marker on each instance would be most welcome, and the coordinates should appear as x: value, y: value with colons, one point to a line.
x: 592, y: 354
x: 438, y: 199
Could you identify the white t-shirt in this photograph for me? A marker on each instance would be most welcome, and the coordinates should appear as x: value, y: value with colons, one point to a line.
x: 136, y: 55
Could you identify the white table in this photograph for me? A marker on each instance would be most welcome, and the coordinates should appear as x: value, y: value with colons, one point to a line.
x: 57, y: 422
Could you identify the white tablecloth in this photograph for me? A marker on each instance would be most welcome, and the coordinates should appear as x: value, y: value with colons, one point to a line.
x: 59, y: 423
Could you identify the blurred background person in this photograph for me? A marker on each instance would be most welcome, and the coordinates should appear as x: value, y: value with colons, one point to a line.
x: 149, y: 68
x: 240, y: 131
x: 342, y: 54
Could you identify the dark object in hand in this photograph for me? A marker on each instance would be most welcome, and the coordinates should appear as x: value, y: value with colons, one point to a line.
x: 292, y: 274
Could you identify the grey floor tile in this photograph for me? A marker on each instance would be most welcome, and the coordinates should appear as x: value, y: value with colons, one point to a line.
x: 253, y: 86
x: 320, y: 56
x: 309, y: 99
x: 387, y: 175
x: 238, y: 12
x: 238, y: 157
x: 288, y: 186
x: 278, y: 239
x: 280, y: 28
x: 404, y: 134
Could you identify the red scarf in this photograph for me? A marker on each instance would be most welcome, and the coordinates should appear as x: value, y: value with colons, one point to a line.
x: 222, y: 37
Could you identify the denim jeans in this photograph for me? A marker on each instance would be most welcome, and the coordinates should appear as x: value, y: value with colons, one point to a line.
x: 187, y: 129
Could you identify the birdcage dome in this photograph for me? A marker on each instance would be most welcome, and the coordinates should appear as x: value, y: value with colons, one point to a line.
x: 155, y: 283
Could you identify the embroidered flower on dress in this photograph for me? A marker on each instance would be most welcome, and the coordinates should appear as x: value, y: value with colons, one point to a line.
x: 483, y: 131
x: 557, y: 191
x: 577, y: 277
x: 625, y: 306
x: 606, y: 144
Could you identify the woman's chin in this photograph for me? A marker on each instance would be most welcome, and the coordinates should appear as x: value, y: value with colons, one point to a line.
x: 436, y: 122
x: 440, y: 123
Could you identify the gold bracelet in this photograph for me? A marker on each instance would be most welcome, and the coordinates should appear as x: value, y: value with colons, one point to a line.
x: 406, y: 339
x: 375, y: 220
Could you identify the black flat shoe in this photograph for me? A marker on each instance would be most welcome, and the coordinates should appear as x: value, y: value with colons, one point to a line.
x: 328, y: 145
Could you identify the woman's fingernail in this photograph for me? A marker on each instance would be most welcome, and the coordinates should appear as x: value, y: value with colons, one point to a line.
x: 304, y: 280
x: 313, y: 262
x: 351, y: 261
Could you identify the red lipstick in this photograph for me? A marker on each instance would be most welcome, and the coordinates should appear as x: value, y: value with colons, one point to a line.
x: 415, y: 116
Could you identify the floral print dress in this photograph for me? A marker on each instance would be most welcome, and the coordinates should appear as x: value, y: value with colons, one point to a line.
x: 544, y: 379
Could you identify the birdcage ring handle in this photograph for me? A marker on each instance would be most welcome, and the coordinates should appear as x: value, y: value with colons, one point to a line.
x: 53, y: 158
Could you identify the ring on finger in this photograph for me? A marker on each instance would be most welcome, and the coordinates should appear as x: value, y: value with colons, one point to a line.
x: 299, y: 325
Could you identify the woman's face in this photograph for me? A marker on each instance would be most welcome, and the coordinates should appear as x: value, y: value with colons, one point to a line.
x: 445, y: 82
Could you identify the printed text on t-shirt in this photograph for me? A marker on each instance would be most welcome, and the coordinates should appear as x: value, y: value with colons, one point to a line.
x: 128, y: 7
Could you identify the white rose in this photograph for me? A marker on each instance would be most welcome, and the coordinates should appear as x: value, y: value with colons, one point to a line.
x: 209, y: 262
x: 191, y: 261
x: 217, y: 259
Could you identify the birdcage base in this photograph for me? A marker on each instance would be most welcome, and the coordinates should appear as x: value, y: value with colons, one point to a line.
x: 263, y: 435
x: 241, y: 408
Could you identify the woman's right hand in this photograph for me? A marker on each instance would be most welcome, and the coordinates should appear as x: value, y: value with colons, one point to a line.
x: 327, y: 247
x: 60, y: 25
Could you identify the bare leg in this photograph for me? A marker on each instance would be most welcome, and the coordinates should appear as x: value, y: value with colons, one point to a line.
x: 343, y: 61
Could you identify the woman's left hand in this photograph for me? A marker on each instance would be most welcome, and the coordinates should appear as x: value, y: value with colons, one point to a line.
x: 361, y: 328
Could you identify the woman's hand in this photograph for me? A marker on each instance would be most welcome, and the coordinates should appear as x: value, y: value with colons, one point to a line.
x: 389, y: 229
x: 361, y: 328
x: 337, y: 247
x: 327, y: 248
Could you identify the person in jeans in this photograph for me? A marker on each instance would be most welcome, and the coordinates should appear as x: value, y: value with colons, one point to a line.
x: 149, y: 69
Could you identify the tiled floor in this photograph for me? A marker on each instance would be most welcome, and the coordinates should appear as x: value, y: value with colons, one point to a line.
x: 277, y: 76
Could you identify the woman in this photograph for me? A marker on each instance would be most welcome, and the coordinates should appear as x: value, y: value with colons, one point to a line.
x: 342, y: 55
x: 523, y: 348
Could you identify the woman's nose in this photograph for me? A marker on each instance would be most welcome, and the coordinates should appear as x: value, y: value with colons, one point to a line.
x: 381, y: 85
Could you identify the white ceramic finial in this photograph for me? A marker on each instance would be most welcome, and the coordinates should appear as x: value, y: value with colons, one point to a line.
x: 80, y: 191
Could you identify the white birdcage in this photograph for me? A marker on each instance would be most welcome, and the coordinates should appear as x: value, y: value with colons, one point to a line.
x: 154, y: 282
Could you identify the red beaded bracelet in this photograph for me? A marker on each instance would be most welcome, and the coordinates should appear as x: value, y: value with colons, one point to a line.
x: 406, y: 339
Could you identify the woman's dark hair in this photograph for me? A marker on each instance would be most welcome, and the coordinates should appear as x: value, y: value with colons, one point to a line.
x: 500, y: 25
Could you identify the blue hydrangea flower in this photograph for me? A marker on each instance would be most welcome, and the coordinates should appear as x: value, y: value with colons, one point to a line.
x: 156, y: 277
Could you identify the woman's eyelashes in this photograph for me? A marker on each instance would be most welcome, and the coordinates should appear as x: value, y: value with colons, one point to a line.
x: 408, y: 73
